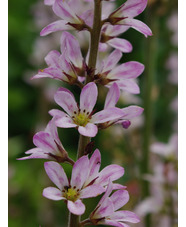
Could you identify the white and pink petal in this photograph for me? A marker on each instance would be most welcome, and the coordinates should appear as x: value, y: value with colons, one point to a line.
x: 56, y: 174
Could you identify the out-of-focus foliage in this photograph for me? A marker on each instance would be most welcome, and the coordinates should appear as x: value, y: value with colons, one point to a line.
x: 29, y: 104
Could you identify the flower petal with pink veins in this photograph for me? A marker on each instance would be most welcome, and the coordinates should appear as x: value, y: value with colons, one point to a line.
x: 52, y: 130
x: 129, y: 86
x: 80, y: 172
x: 77, y: 207
x: 120, y: 44
x: 52, y: 58
x: 89, y: 130
x: 107, y: 115
x: 115, y: 30
x: 119, y: 198
x: 59, y: 25
x: 110, y: 62
x: 44, y: 141
x: 53, y: 193
x: 92, y: 191
x: 112, y: 96
x: 65, y: 122
x: 36, y: 153
x: 94, y: 166
x: 73, y: 51
x: 62, y: 9
x: 88, y: 97
x: 137, y: 25
x: 113, y: 223
x: 128, y: 70
x: 51, y: 72
x: 132, y: 8
x: 119, y: 187
x: 131, y: 112
x: 111, y: 172
x: 57, y: 113
x: 106, y: 208
x: 124, y: 215
x: 66, y: 101
x: 56, y: 174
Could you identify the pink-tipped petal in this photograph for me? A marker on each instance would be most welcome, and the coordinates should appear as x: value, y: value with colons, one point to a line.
x: 112, y: 60
x: 113, y: 223
x: 57, y: 113
x: 73, y: 51
x: 137, y: 25
x: 119, y: 187
x: 129, y: 86
x: 77, y: 207
x: 66, y: 101
x: 60, y: 25
x: 56, y: 174
x: 120, y: 44
x: 52, y: 58
x: 105, y: 209
x: 107, y: 115
x: 65, y: 122
x: 53, y: 193
x: 44, y: 141
x: 80, y: 172
x: 89, y: 130
x: 63, y: 10
x: 36, y: 153
x: 119, y: 198
x: 115, y: 30
x: 111, y: 172
x: 94, y: 166
x: 52, y: 130
x: 107, y: 192
x: 112, y: 96
x: 88, y: 97
x: 131, y: 112
x: 92, y: 191
x: 128, y: 70
x: 132, y: 8
x: 126, y: 216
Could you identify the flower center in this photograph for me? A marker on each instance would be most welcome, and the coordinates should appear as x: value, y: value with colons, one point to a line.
x: 71, y: 193
x: 81, y: 119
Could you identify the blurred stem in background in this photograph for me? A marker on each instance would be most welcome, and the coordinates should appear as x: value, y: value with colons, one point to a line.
x: 150, y: 60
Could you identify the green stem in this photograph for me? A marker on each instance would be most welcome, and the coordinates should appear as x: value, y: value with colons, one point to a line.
x: 83, y: 141
x: 94, y: 44
x: 73, y: 220
x: 150, y: 63
x: 95, y: 37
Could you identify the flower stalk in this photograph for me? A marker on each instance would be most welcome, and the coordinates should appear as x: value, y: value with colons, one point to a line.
x: 94, y: 44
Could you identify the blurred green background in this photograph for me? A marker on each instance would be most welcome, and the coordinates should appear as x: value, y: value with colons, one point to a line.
x: 29, y: 104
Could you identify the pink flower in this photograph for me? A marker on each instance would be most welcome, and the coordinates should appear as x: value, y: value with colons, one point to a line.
x: 82, y: 116
x: 123, y: 74
x: 48, y: 145
x: 106, y: 211
x: 66, y: 66
x: 125, y: 13
x: 72, y: 16
x: 72, y: 191
x: 109, y: 35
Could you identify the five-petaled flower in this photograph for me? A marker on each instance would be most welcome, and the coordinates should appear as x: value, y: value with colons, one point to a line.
x: 74, y: 190
x: 82, y: 116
